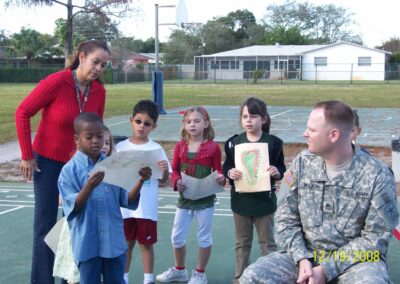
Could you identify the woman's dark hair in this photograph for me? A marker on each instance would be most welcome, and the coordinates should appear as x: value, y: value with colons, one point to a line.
x: 256, y: 106
x: 86, y: 47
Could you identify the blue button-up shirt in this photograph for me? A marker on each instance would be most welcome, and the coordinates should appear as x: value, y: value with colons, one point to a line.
x: 97, y: 229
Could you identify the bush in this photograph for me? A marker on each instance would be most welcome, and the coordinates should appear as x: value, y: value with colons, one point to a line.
x: 257, y: 74
x: 25, y: 74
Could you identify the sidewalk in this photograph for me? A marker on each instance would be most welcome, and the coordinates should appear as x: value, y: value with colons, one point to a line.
x: 9, y: 151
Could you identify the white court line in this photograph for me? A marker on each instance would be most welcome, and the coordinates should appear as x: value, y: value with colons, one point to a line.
x: 10, y: 210
x: 17, y: 201
x: 13, y: 205
x: 174, y: 207
x: 283, y: 112
x: 177, y: 196
x: 218, y: 214
x: 117, y: 123
x: 12, y: 190
x: 16, y: 186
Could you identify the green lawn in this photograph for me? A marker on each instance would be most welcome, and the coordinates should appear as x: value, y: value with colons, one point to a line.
x: 121, y: 98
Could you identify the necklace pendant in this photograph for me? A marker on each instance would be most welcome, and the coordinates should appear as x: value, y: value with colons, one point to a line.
x: 85, y: 99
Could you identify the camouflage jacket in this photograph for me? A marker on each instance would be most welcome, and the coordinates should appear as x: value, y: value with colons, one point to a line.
x: 353, y: 213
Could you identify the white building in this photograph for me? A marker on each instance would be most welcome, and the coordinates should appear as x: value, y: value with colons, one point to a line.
x: 338, y: 61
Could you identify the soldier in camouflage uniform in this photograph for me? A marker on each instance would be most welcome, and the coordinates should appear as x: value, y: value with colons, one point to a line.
x: 336, y: 222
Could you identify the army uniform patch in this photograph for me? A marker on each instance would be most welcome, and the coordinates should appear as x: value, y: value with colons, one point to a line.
x: 289, y: 178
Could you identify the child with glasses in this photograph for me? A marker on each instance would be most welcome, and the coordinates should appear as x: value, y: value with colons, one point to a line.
x: 141, y: 224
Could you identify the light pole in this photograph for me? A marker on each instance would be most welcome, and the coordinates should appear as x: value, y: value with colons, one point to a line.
x: 157, y: 78
x: 157, y: 43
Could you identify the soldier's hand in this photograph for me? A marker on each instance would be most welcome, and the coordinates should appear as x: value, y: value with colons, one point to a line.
x: 318, y: 275
x: 305, y: 271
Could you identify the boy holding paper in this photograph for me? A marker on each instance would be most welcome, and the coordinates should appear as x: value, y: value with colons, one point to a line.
x: 141, y: 224
x: 91, y: 206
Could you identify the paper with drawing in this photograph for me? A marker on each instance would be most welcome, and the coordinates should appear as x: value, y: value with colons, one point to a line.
x: 199, y: 188
x: 252, y: 159
x: 122, y: 168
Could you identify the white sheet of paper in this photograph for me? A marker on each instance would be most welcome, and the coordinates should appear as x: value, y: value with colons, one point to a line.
x: 122, y: 168
x: 200, y: 188
x: 53, y: 236
x: 252, y: 159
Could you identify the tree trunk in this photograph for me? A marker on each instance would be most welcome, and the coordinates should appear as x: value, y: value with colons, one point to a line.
x: 68, y: 41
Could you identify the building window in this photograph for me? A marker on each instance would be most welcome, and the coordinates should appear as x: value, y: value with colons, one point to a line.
x: 364, y: 61
x: 224, y: 64
x: 320, y: 61
x: 234, y: 64
x: 214, y: 64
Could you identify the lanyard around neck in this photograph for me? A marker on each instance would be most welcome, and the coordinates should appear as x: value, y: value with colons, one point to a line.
x: 81, y: 103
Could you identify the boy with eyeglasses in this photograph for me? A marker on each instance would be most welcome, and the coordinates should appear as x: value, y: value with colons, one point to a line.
x: 141, y: 224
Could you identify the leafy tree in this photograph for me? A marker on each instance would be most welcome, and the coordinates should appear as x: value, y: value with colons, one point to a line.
x: 183, y: 45
x: 95, y: 26
x: 321, y: 24
x: 237, y: 29
x: 136, y: 45
x: 101, y: 8
x: 392, y: 45
x: 86, y: 27
x: 27, y: 43
x: 217, y: 37
x: 284, y: 35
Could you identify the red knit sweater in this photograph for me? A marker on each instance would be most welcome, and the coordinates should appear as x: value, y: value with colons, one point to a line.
x: 209, y: 154
x: 56, y: 98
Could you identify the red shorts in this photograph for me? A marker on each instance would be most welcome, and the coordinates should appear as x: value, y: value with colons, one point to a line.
x: 142, y: 230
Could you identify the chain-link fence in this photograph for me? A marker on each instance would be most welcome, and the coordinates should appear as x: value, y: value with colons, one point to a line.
x: 228, y: 73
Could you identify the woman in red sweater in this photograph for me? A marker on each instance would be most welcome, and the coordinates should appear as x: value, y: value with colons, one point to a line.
x: 60, y: 97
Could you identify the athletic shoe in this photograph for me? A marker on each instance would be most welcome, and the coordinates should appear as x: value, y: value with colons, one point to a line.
x: 173, y: 275
x: 198, y: 278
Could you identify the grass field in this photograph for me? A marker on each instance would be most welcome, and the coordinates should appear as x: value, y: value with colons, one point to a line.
x: 121, y: 98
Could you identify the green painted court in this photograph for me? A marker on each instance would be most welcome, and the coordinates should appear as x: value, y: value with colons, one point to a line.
x: 16, y: 219
x: 16, y: 199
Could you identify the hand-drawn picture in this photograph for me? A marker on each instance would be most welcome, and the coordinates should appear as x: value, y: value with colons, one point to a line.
x: 252, y: 160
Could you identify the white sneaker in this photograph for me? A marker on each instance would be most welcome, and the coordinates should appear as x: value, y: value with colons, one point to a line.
x: 173, y: 275
x: 198, y: 278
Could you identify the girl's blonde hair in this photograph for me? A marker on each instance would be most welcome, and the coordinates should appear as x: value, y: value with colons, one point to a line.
x: 111, y: 141
x: 208, y: 133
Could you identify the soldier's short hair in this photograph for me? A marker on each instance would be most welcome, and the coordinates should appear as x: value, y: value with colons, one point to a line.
x: 337, y: 113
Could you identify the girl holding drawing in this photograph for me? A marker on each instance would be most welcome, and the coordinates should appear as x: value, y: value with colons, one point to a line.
x: 196, y: 155
x: 255, y: 208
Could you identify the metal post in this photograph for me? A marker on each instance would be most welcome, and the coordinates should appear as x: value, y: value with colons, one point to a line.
x: 351, y: 74
x: 156, y: 40
x: 396, y: 159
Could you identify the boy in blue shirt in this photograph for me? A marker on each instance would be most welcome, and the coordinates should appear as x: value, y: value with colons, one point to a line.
x: 92, y: 207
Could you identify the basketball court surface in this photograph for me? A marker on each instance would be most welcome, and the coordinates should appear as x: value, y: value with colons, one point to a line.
x: 380, y: 126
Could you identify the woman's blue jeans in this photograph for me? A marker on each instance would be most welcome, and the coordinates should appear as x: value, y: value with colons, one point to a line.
x: 45, y: 217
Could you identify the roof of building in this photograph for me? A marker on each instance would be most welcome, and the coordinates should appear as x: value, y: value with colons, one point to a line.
x: 279, y: 50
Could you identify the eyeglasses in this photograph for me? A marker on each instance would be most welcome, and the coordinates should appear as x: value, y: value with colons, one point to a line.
x: 145, y: 123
